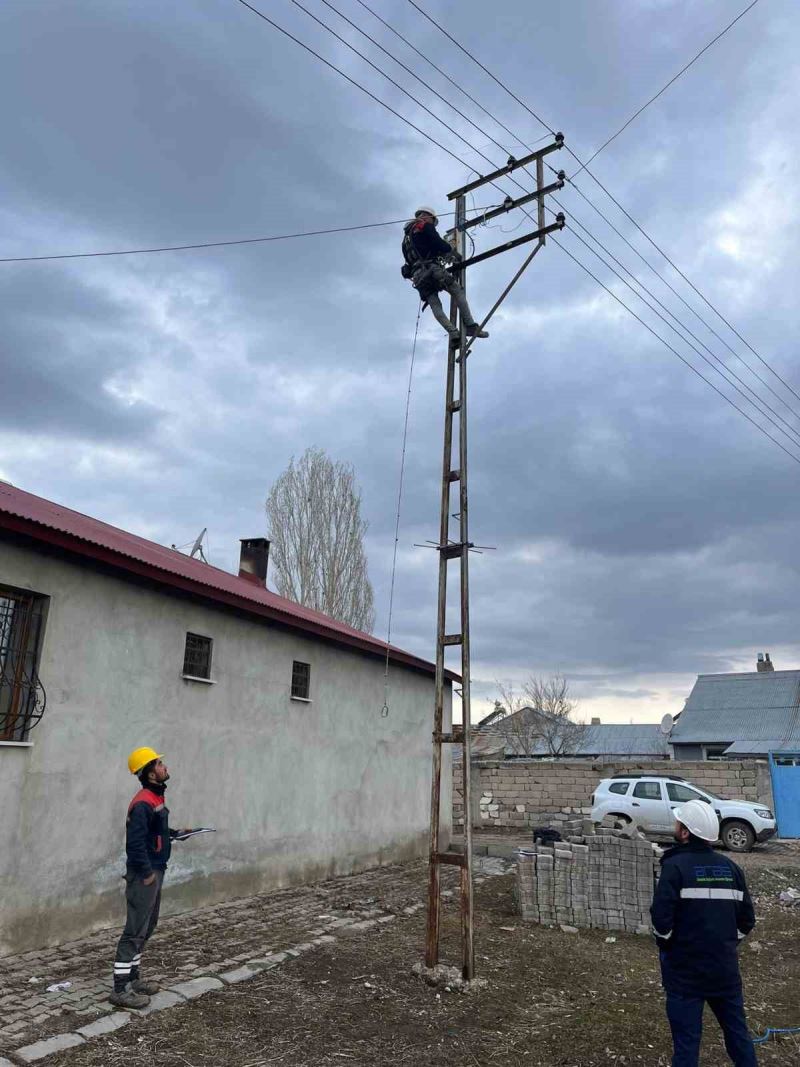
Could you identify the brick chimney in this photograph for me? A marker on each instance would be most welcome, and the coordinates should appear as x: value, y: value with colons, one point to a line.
x: 596, y: 722
x: 764, y: 663
x: 253, y: 560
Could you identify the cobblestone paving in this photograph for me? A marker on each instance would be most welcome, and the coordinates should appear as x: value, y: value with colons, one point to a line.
x: 208, y: 941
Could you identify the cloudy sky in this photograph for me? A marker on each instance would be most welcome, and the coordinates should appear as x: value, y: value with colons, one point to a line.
x: 645, y: 531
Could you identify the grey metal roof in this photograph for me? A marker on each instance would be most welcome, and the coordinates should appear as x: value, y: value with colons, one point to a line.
x: 759, y: 748
x: 752, y: 707
x: 605, y: 739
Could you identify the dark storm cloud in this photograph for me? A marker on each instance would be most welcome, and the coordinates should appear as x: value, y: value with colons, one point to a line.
x: 644, y: 530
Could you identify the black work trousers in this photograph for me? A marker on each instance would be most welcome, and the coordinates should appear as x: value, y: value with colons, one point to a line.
x: 144, y: 902
x: 685, y: 1014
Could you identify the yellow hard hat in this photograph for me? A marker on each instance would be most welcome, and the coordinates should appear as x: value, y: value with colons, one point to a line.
x: 140, y: 757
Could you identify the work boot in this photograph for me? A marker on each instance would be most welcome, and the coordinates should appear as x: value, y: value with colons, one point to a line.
x: 129, y: 998
x: 141, y: 985
x: 473, y: 330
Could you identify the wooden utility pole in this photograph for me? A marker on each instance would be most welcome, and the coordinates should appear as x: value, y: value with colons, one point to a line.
x: 457, y: 548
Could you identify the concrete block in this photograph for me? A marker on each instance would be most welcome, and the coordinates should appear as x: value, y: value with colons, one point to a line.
x: 240, y: 974
x: 48, y: 1047
x: 107, y: 1025
x: 196, y: 987
x: 165, y: 999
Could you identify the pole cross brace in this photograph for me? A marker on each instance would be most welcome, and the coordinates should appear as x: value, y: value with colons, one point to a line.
x: 451, y: 551
x: 454, y: 859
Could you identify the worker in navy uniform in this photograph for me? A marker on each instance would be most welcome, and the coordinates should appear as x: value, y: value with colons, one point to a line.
x: 425, y: 254
x: 701, y: 912
x: 148, y: 841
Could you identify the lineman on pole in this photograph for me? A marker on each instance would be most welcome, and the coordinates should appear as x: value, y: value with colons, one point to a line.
x: 148, y: 841
x: 701, y: 911
x: 424, y: 252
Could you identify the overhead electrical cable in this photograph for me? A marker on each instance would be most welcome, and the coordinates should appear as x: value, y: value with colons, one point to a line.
x: 352, y: 81
x: 664, y: 88
x: 613, y: 199
x: 577, y: 222
x: 207, y: 244
x: 745, y: 392
x: 572, y: 184
x: 658, y: 337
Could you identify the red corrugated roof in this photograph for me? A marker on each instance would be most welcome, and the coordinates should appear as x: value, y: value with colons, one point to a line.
x: 45, y: 521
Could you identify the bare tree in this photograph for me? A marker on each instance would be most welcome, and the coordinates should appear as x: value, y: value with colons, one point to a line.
x: 317, y: 535
x: 517, y: 723
x: 541, y: 716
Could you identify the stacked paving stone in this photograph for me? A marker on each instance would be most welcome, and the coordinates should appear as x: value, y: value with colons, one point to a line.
x: 604, y: 881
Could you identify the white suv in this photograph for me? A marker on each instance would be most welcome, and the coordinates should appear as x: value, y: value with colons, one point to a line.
x: 648, y: 800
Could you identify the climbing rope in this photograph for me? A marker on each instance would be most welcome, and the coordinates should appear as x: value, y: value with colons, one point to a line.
x: 385, y: 708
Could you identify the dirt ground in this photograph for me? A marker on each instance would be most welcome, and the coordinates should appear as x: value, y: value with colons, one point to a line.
x: 552, y: 998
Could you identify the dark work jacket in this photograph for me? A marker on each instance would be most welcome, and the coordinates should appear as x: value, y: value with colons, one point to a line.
x: 701, y: 911
x: 426, y: 240
x: 148, y: 838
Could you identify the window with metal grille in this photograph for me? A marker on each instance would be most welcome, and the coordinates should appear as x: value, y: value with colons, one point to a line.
x: 22, y: 695
x: 197, y: 656
x: 301, y: 680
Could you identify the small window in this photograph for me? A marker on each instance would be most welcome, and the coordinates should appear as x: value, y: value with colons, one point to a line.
x: 682, y: 793
x: 22, y: 696
x: 301, y: 680
x: 197, y: 656
x: 619, y: 787
x: 648, y: 790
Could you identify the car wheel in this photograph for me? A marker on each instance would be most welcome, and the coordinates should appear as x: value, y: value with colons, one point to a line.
x: 738, y: 836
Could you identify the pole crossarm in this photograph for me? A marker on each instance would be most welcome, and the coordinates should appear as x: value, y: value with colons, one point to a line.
x: 534, y: 236
x: 509, y: 204
x: 512, y: 165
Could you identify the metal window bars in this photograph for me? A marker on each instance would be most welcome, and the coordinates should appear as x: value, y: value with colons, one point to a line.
x: 301, y: 680
x: 197, y: 656
x: 22, y: 695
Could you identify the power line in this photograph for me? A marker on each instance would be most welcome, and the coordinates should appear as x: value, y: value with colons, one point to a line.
x: 742, y: 392
x: 613, y: 199
x: 407, y: 69
x: 658, y: 337
x: 352, y: 81
x: 205, y: 244
x: 685, y: 302
x: 664, y: 88
x: 478, y: 63
x: 574, y: 219
x: 212, y: 244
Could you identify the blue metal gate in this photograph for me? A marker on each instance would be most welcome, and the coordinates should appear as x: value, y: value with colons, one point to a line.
x: 784, y: 769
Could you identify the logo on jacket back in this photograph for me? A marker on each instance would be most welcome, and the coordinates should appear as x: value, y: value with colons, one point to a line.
x: 713, y: 873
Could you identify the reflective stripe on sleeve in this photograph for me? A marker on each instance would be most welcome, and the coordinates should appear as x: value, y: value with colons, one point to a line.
x: 712, y: 894
x: 664, y: 937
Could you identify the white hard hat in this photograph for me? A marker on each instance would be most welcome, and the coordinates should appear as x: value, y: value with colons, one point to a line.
x: 427, y: 211
x: 699, y: 819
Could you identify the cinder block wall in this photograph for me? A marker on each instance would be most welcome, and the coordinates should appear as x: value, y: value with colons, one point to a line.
x: 518, y: 795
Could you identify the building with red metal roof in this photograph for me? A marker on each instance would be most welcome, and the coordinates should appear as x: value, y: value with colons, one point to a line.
x: 270, y: 715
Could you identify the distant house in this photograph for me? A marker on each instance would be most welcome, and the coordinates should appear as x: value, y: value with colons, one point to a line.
x: 496, y: 738
x: 740, y: 715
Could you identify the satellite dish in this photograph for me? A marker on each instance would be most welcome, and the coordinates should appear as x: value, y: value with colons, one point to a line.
x: 666, y: 725
x: 197, y: 547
